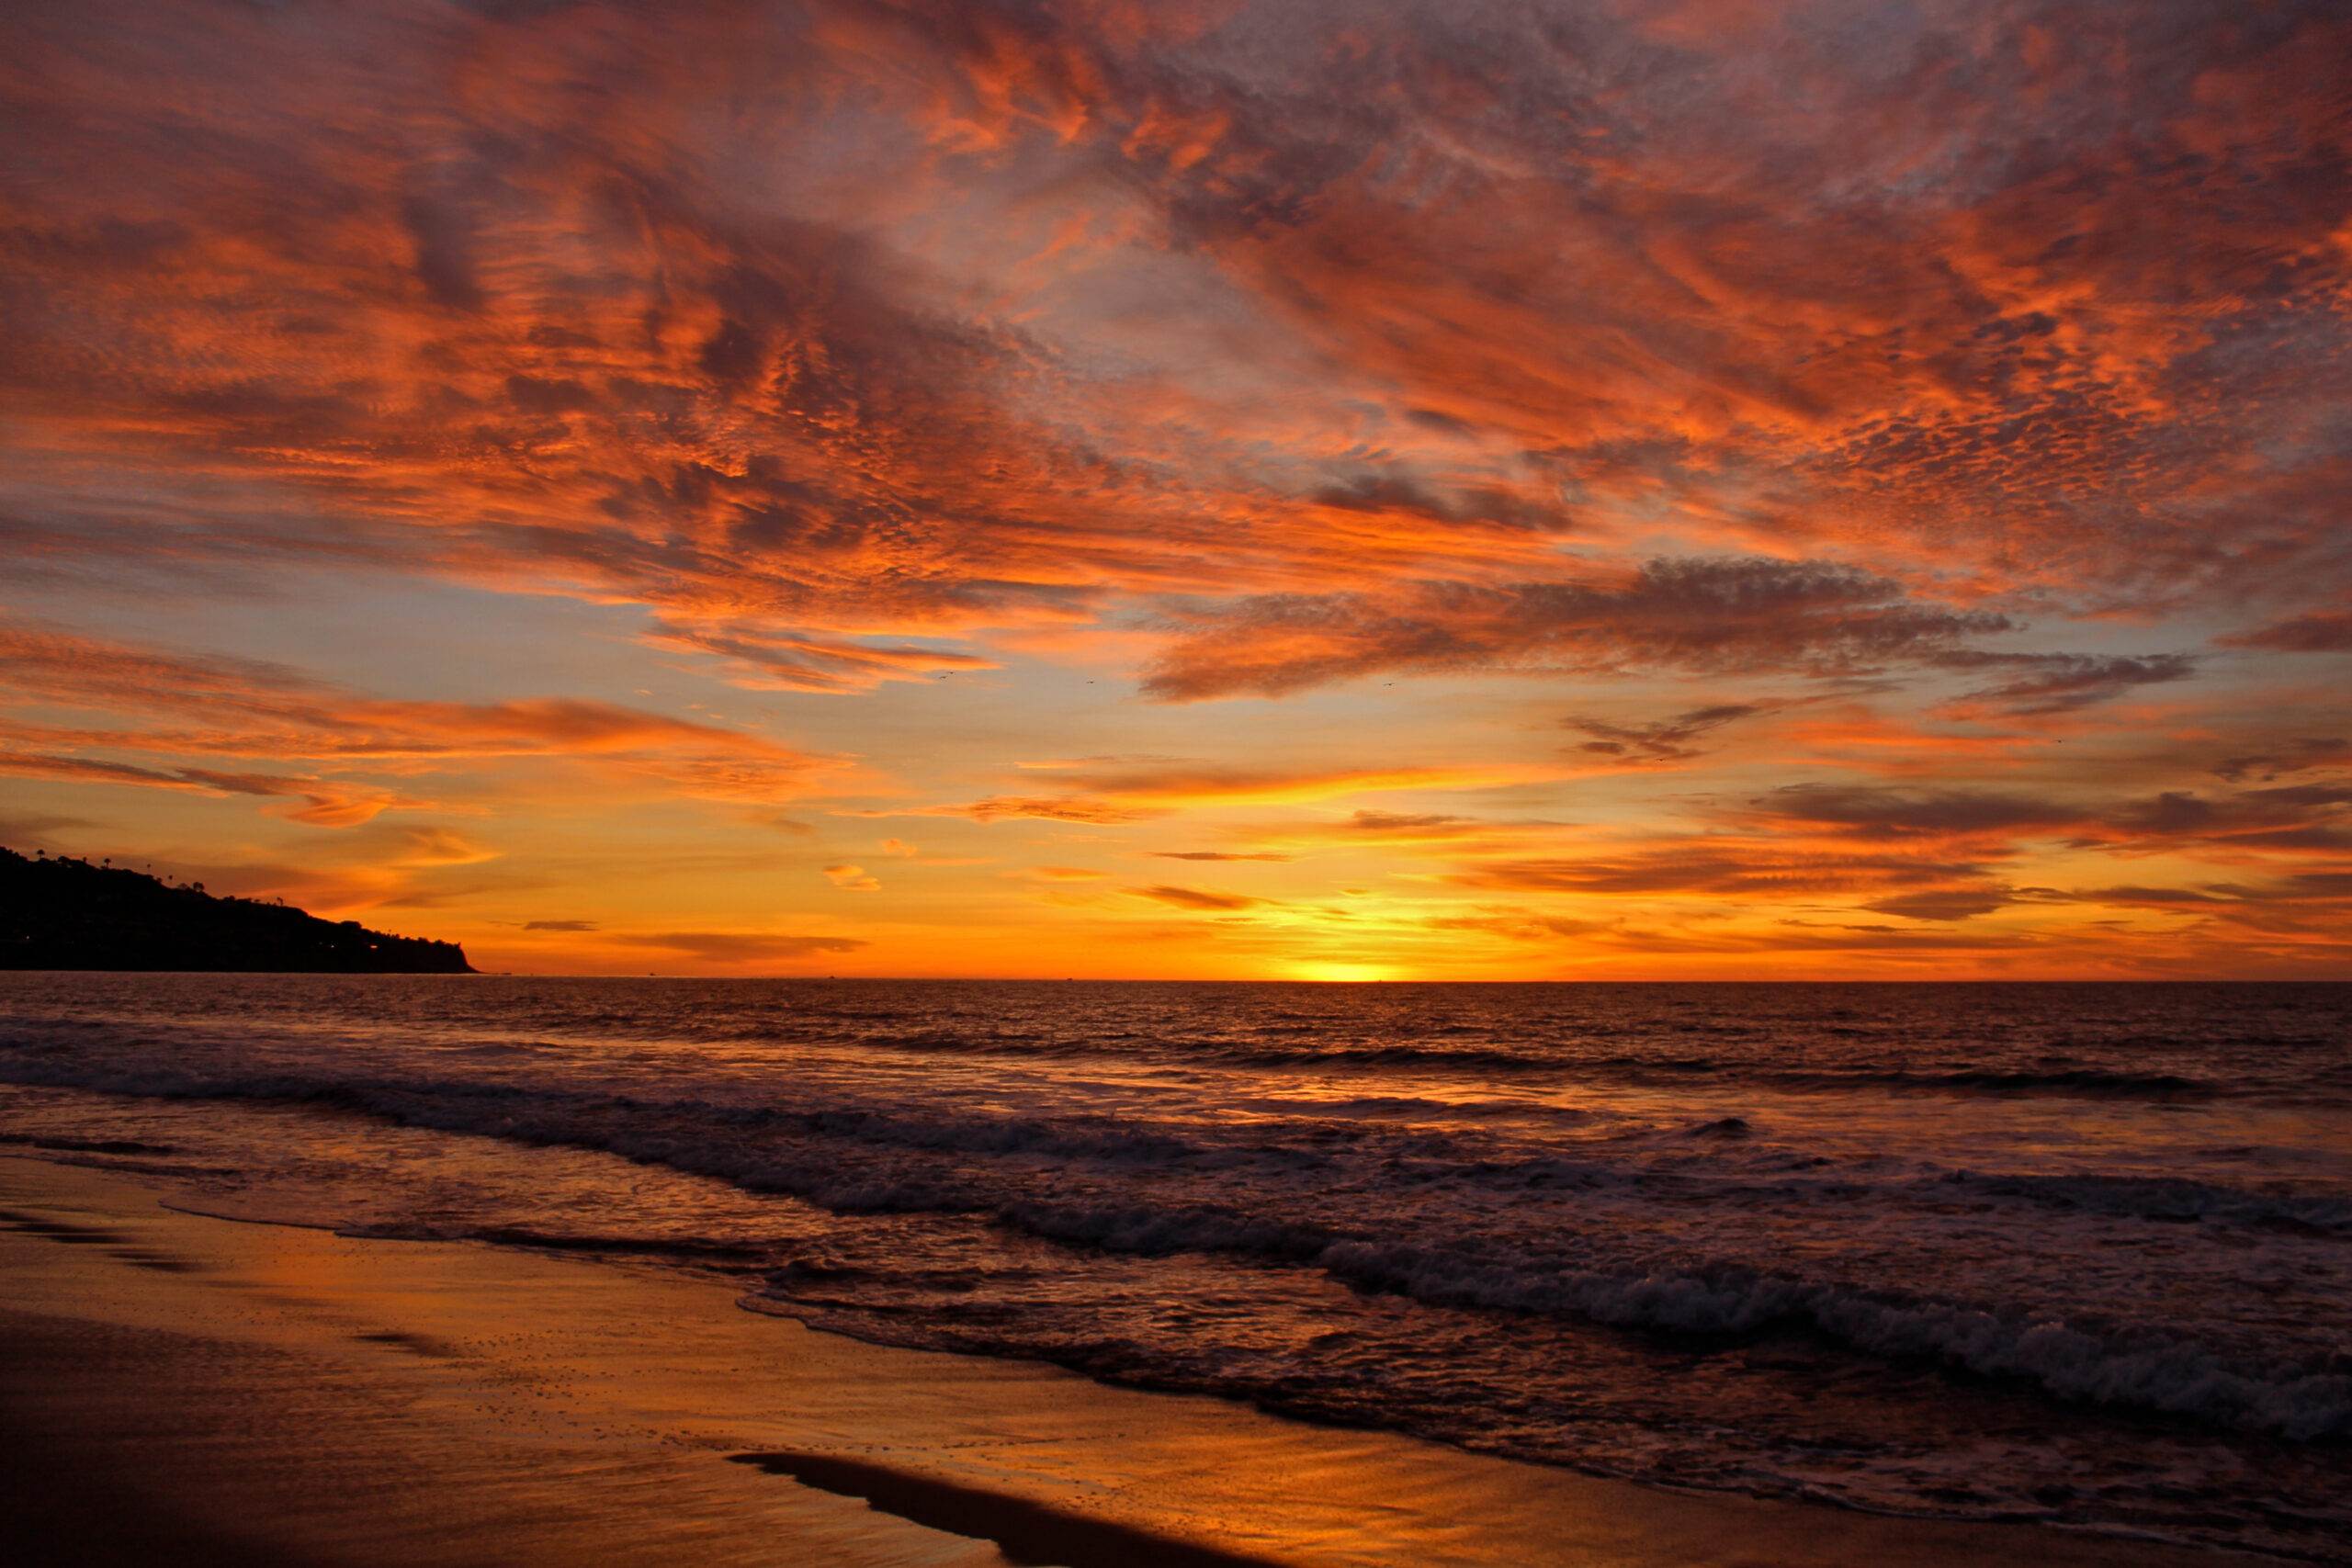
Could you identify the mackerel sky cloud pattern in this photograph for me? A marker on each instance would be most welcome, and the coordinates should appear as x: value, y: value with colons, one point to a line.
x: 1833, y: 488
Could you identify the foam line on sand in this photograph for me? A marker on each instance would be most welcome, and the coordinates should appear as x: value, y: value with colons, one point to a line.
x: 182, y: 1388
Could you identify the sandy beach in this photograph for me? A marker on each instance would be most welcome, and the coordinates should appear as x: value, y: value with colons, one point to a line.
x: 178, y: 1385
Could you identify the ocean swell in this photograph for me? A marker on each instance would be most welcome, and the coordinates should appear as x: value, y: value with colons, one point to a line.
x: 868, y: 1159
x: 2173, y: 1377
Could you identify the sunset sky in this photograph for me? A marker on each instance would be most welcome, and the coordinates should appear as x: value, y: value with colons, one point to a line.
x: 1615, y: 489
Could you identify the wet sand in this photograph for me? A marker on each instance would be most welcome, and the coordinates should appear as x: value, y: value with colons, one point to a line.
x: 184, y: 1388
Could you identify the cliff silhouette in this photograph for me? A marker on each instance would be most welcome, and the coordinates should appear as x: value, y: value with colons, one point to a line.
x: 69, y: 914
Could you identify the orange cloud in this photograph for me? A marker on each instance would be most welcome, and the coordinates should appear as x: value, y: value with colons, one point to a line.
x: 1176, y: 787
x: 810, y: 663
x: 1197, y: 897
x: 736, y: 947
x: 1068, y: 808
x: 1216, y: 854
x: 1730, y: 615
x: 773, y: 413
x: 246, y: 709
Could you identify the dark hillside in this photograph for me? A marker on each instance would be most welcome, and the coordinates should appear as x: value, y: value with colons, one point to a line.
x: 69, y: 914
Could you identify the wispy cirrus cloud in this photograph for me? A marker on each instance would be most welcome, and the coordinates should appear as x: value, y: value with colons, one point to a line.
x: 1197, y: 899
x: 807, y: 663
x: 2284, y: 816
x: 736, y: 947
x: 2318, y: 632
x: 1957, y: 903
x: 2293, y: 756
x: 1138, y: 794
x: 170, y: 705
x: 1218, y: 855
x: 496, y: 334
x: 1663, y: 740
x: 1054, y: 808
x: 321, y: 804
x: 1700, y: 616
x: 1751, y: 871
x: 2060, y: 682
x: 1882, y: 811
x: 1937, y: 856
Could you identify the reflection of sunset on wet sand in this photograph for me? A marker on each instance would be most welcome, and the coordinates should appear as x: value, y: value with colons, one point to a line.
x: 1387, y: 491
x: 400, y: 1403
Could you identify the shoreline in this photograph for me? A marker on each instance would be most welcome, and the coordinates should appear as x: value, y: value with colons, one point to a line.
x: 281, y: 1396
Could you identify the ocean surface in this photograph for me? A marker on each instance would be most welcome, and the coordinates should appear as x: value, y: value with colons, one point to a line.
x: 2079, y: 1253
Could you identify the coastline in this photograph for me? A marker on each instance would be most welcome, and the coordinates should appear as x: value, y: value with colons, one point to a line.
x: 276, y: 1395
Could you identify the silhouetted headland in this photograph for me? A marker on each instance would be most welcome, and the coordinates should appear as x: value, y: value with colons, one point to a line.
x: 69, y: 914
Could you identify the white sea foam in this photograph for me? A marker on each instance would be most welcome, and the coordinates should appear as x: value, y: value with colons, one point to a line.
x: 2156, y: 1375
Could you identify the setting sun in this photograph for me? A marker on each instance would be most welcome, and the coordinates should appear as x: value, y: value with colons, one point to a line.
x: 1341, y: 972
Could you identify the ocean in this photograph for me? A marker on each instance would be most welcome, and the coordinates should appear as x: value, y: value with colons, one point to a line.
x: 2074, y: 1253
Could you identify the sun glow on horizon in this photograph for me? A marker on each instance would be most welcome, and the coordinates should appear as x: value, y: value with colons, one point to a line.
x: 1347, y: 974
